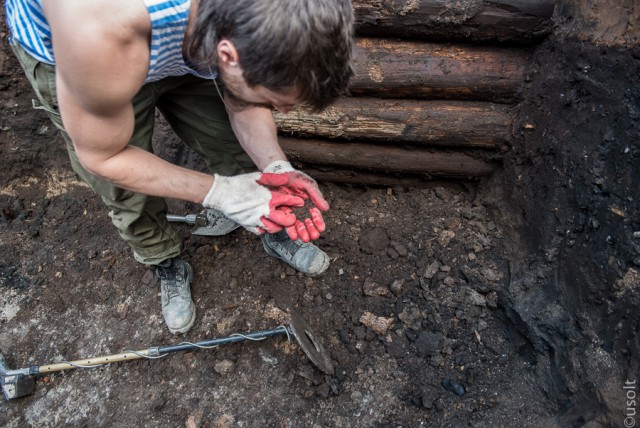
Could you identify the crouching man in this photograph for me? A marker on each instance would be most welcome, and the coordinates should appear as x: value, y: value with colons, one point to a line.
x: 215, y: 69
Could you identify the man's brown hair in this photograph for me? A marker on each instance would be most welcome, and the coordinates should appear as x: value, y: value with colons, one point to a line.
x: 281, y: 44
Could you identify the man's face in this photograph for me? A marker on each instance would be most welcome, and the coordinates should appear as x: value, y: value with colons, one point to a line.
x: 241, y: 95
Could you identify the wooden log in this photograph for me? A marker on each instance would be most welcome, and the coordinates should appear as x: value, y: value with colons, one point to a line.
x: 519, y: 21
x: 401, y: 69
x: 367, y: 178
x: 386, y: 159
x: 471, y: 124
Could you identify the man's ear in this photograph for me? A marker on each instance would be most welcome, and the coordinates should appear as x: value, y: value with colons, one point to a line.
x: 227, y: 53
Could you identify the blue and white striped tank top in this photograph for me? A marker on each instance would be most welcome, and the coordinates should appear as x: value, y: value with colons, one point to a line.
x: 169, y: 20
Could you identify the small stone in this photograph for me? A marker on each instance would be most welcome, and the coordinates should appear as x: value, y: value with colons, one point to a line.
x: 490, y: 274
x: 492, y: 300
x: 445, y: 237
x: 224, y: 367
x: 122, y: 310
x: 432, y: 270
x: 412, y: 317
x: 475, y: 298
x: 398, y: 287
x: 453, y: 386
x: 371, y: 288
x: 378, y: 325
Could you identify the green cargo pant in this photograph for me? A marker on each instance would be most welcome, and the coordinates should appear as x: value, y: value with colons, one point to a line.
x: 196, y: 113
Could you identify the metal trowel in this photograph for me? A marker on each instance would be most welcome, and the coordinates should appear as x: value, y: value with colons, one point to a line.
x: 209, y: 222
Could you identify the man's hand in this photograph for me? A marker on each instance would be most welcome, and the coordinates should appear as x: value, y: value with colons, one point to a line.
x: 254, y: 201
x: 305, y: 187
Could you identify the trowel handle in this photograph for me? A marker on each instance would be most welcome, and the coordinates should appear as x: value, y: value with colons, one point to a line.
x: 199, y: 219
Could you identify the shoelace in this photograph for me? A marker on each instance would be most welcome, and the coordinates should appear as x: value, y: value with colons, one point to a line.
x: 291, y: 247
x: 169, y: 275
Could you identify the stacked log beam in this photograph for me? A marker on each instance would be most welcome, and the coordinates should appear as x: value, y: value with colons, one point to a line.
x: 417, y: 108
x: 424, y: 123
x: 409, y: 69
x: 515, y: 21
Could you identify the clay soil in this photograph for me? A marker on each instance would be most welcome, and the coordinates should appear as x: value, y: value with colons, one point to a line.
x: 441, y: 267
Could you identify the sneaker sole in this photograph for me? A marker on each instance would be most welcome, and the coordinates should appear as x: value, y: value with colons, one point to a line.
x: 192, y: 321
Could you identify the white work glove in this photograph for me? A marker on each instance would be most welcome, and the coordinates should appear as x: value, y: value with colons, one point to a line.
x: 300, y: 184
x: 254, y: 201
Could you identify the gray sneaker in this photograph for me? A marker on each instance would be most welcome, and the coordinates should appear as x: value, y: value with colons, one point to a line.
x: 178, y: 309
x: 217, y: 224
x: 304, y: 257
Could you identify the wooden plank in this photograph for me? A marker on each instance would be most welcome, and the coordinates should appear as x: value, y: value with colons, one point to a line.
x: 382, y: 158
x: 520, y: 21
x: 407, y: 69
x: 438, y: 123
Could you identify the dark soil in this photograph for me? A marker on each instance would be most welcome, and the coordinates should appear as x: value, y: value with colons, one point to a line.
x: 512, y: 301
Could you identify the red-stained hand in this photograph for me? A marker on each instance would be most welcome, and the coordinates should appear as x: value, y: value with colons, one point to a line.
x: 308, y: 229
x: 301, y: 185
x: 253, y: 204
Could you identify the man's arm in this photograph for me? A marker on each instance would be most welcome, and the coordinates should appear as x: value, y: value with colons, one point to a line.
x: 101, y: 63
x: 256, y: 131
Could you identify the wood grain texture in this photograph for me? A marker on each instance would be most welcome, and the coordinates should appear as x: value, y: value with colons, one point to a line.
x: 518, y: 21
x: 407, y: 69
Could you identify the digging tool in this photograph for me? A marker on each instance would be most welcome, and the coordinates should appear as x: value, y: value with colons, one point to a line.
x: 21, y: 382
x: 199, y: 219
x: 206, y: 223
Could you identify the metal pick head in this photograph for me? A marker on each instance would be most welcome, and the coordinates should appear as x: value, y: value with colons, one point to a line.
x: 310, y: 344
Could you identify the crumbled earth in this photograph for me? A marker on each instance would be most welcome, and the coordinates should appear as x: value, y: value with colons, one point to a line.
x: 511, y: 301
x: 428, y: 262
